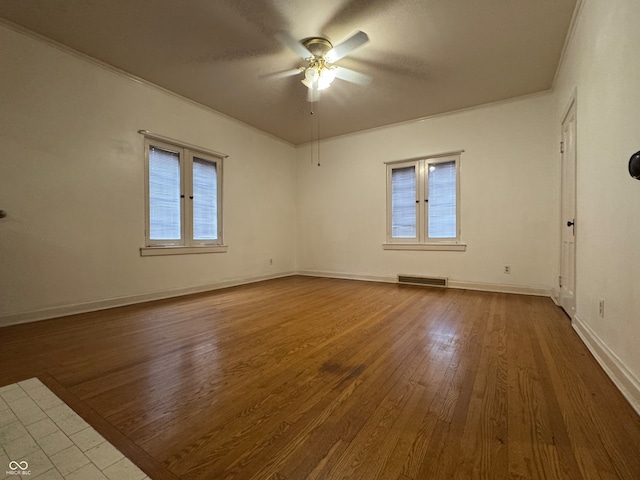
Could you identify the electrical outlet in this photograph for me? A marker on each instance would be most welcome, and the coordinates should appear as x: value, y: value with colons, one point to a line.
x: 507, y: 269
x: 601, y: 308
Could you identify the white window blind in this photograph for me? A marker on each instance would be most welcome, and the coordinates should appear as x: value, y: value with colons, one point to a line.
x: 205, y: 200
x: 403, y: 203
x: 442, y: 200
x: 164, y: 195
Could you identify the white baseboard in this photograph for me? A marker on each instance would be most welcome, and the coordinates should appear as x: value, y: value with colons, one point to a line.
x: 349, y: 276
x: 500, y: 288
x: 484, y: 287
x: 626, y: 382
x: 63, y: 310
x: 555, y: 296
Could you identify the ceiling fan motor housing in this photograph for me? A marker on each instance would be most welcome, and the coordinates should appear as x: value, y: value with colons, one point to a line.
x: 318, y: 46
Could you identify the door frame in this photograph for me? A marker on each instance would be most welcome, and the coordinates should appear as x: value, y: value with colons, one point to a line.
x: 572, y: 106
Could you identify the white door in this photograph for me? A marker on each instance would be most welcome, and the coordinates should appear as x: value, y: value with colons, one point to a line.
x: 568, y: 213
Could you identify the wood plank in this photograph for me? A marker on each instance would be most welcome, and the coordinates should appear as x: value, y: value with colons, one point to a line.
x: 483, y: 452
x: 376, y: 379
x: 594, y: 407
x: 533, y: 435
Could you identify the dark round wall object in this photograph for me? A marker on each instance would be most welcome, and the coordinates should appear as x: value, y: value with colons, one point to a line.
x: 634, y: 166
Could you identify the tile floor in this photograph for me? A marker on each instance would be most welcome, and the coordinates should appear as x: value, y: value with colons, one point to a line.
x: 42, y: 438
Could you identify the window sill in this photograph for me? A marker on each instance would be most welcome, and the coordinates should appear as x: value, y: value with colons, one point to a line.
x: 154, y: 251
x: 452, y: 247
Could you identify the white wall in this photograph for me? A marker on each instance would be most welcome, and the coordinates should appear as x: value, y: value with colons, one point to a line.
x: 602, y: 65
x: 72, y: 182
x: 509, y: 198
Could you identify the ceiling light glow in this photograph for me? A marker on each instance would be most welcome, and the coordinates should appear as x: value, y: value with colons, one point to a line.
x: 318, y: 77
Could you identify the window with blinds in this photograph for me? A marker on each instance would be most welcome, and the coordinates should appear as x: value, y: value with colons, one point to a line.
x: 422, y: 201
x: 165, y: 218
x: 183, y: 197
x: 403, y: 202
x: 205, y: 200
x: 442, y: 201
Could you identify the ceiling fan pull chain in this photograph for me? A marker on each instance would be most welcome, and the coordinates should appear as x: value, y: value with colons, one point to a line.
x: 311, y: 124
x: 318, y: 130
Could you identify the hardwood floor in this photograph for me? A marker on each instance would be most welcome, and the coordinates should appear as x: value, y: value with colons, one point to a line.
x: 312, y: 378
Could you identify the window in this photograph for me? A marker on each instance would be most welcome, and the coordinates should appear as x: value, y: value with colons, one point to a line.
x: 423, y: 202
x: 184, y: 197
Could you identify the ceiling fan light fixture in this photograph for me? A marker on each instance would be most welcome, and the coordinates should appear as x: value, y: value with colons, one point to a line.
x: 327, y: 75
x: 311, y: 76
x: 319, y: 54
x: 318, y: 77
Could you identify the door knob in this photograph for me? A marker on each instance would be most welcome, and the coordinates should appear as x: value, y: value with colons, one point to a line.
x: 3, y: 214
x: 570, y: 223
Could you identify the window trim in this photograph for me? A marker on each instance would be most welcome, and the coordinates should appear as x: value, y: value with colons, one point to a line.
x: 187, y: 244
x: 170, y: 250
x: 453, y: 247
x: 422, y: 241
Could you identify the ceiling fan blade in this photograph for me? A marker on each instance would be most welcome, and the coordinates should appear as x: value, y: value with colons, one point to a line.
x: 352, y: 76
x: 345, y: 48
x: 288, y: 41
x: 282, y: 74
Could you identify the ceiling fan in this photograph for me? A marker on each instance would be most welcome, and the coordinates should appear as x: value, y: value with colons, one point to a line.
x: 321, y: 56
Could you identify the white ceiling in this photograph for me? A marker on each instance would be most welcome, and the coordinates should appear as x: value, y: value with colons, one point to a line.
x: 425, y: 56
